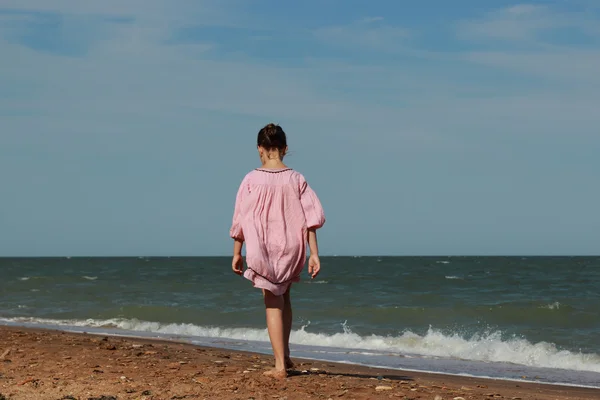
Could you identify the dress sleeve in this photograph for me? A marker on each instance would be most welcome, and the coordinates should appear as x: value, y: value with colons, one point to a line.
x: 313, y: 210
x: 236, y: 232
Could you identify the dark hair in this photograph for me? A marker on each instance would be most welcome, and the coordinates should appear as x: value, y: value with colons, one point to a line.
x: 272, y: 137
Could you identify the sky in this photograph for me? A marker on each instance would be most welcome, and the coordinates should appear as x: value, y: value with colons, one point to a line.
x: 426, y: 128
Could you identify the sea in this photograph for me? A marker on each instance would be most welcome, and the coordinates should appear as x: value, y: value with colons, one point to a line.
x: 514, y: 318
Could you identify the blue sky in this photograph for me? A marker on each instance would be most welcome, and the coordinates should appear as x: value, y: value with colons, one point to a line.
x: 426, y: 128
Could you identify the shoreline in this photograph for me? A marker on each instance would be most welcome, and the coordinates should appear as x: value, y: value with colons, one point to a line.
x: 40, y: 363
x: 177, y: 339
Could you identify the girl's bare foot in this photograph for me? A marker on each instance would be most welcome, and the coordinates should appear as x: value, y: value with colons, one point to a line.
x: 276, y: 373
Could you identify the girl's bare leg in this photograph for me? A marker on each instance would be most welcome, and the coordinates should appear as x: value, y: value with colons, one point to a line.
x: 274, y: 306
x: 287, y: 326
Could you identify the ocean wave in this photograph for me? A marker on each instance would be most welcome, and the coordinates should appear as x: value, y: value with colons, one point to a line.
x: 27, y: 278
x: 90, y: 278
x: 454, y: 277
x: 487, y: 347
x: 553, y: 306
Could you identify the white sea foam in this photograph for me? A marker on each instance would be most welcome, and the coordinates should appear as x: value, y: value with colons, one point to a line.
x: 24, y: 278
x: 453, y: 277
x: 552, y: 306
x: 443, y: 262
x: 489, y: 347
x: 90, y: 278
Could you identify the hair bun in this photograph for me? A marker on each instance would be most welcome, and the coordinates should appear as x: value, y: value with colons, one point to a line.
x: 272, y: 136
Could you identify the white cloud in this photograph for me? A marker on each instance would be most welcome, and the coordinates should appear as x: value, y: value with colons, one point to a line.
x: 133, y: 70
x: 577, y: 68
x: 106, y: 7
x: 546, y: 90
x: 521, y: 9
x: 132, y: 76
x: 366, y: 33
x: 563, y: 71
x: 115, y: 8
x: 525, y: 24
x: 155, y: 15
x: 507, y: 26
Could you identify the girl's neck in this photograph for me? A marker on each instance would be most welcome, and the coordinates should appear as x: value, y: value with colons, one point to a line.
x: 273, y: 163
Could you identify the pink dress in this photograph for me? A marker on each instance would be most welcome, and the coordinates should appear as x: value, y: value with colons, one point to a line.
x: 274, y: 208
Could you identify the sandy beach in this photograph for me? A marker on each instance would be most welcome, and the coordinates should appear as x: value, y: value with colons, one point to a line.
x: 46, y: 364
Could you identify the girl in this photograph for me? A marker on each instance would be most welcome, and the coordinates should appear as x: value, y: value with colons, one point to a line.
x: 276, y: 214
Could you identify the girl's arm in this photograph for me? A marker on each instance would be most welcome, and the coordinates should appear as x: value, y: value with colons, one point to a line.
x: 312, y: 242
x: 237, y: 264
x: 237, y: 247
x: 314, y: 264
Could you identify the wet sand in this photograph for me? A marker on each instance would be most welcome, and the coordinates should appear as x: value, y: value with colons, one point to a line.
x: 45, y: 364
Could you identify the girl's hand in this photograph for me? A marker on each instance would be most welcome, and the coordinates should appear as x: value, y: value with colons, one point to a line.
x: 237, y: 264
x: 314, y: 265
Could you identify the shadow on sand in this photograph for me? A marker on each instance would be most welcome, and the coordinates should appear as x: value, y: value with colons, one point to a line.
x: 293, y: 373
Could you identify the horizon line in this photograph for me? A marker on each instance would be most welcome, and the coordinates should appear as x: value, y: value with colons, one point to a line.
x: 321, y: 255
